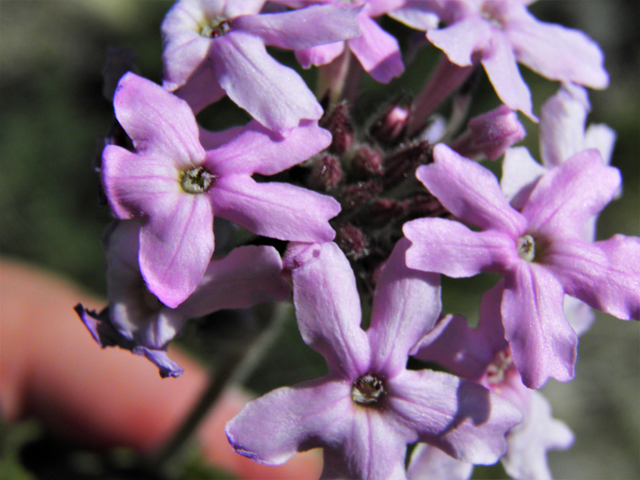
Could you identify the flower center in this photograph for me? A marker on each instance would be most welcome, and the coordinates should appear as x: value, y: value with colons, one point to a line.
x: 526, y: 247
x: 215, y: 28
x: 367, y: 390
x: 196, y: 180
x: 497, y: 369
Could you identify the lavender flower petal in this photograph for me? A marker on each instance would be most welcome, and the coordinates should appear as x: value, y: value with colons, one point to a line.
x: 377, y: 51
x: 274, y: 209
x: 156, y: 121
x: 451, y: 248
x: 461, y: 39
x: 304, y: 28
x: 247, y: 276
x: 461, y: 418
x: 405, y: 306
x: 605, y: 275
x: 175, y: 249
x: 330, y: 322
x: 469, y: 191
x: 500, y: 64
x: 528, y: 442
x: 273, y: 94
x: 259, y: 150
x: 272, y: 428
x: 430, y: 463
x: 567, y: 196
x: 542, y: 340
x: 556, y: 52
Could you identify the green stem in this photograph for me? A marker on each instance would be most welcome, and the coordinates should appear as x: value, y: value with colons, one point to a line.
x: 235, y: 368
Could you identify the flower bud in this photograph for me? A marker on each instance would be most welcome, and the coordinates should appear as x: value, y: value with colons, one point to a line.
x: 390, y: 127
x: 490, y: 134
x: 326, y: 172
x: 367, y: 162
x: 425, y: 205
x: 355, y: 195
x: 338, y: 122
x: 404, y: 162
x: 386, y: 210
x: 351, y: 240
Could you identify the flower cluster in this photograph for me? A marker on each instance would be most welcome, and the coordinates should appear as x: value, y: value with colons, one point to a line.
x: 370, y: 213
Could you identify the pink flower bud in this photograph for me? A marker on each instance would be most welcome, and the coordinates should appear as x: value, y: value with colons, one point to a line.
x: 391, y: 125
x: 490, y: 134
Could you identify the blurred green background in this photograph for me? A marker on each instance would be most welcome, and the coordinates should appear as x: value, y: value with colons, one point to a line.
x: 53, y: 116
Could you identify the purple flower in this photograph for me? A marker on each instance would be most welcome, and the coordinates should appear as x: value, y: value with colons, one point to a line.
x: 527, y: 445
x: 368, y: 407
x: 213, y: 47
x: 562, y: 134
x: 136, y: 320
x: 429, y: 463
x: 174, y: 187
x: 499, y: 33
x: 483, y: 355
x: 539, y: 252
x: 376, y: 50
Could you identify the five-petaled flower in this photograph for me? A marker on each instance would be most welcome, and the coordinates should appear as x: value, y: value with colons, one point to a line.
x: 483, y: 355
x: 368, y: 407
x: 213, y: 47
x: 174, y: 186
x: 499, y: 33
x: 563, y: 133
x: 377, y: 51
x: 539, y: 251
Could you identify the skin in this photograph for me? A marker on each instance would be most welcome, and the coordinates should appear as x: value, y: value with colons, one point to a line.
x: 51, y: 368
